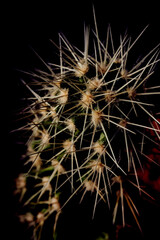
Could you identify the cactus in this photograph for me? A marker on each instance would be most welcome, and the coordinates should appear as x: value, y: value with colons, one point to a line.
x: 89, y: 122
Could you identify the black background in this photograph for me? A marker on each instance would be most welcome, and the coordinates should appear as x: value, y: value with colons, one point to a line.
x: 30, y: 24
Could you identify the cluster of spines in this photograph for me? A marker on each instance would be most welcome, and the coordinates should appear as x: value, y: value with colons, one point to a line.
x: 89, y: 123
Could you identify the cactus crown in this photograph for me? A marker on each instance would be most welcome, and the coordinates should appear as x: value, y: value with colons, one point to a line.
x: 89, y: 124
